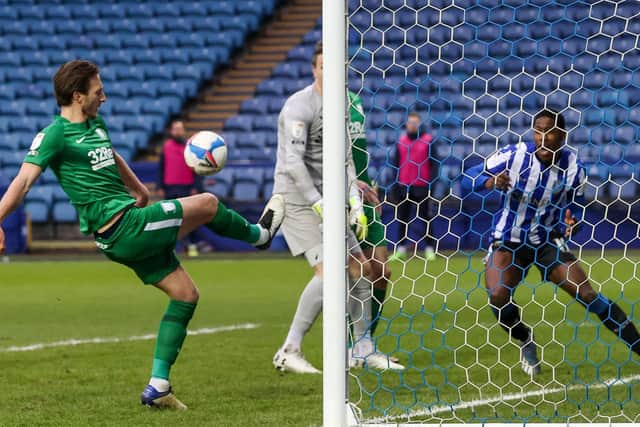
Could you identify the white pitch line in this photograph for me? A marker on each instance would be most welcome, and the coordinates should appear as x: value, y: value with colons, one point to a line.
x: 506, y: 398
x: 108, y: 340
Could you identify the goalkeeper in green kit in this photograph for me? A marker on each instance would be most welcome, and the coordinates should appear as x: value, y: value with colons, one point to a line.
x: 374, y: 246
x: 112, y: 205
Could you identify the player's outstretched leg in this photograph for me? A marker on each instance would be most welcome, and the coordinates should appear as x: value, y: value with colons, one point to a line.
x: 205, y: 209
x: 572, y: 279
x: 501, y: 278
x: 183, y: 296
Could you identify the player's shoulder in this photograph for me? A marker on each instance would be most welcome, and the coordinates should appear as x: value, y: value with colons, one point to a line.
x: 300, y: 104
x: 55, y: 129
x: 99, y: 120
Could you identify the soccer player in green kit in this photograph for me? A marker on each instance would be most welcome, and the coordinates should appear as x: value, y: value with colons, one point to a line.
x: 112, y: 205
x: 374, y: 246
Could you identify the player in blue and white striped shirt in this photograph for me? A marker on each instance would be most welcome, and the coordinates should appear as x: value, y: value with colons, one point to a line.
x: 542, y: 198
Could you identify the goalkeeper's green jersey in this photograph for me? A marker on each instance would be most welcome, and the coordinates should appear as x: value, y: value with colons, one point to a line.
x: 358, y: 137
x: 82, y: 158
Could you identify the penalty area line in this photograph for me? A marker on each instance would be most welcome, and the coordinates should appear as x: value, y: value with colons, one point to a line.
x: 110, y: 340
x: 506, y: 398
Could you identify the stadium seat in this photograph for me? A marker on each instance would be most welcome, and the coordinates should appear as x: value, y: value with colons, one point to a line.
x: 64, y: 212
x: 240, y: 123
x: 246, y: 191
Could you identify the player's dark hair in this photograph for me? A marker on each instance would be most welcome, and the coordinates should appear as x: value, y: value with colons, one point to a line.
x: 557, y: 118
x: 74, y: 76
x: 316, y: 51
x: 414, y: 114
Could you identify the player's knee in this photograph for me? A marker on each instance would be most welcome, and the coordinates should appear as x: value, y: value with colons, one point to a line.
x: 498, y: 295
x: 190, y: 294
x: 209, y: 203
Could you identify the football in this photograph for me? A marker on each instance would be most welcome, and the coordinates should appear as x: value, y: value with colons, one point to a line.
x: 205, y: 153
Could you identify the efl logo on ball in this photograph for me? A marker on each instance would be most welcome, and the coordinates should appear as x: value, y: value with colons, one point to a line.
x: 206, y: 153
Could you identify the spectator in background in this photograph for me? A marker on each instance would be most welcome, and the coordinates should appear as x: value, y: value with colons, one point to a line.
x: 412, y: 188
x: 176, y: 178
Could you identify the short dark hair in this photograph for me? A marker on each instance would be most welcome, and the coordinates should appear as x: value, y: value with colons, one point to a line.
x: 414, y: 114
x: 316, y: 51
x: 73, y: 76
x: 557, y: 118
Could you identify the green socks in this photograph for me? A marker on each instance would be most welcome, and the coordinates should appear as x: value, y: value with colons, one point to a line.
x: 230, y: 223
x: 376, y: 307
x: 171, y: 335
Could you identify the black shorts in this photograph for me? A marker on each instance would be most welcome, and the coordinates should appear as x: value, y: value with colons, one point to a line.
x: 546, y: 257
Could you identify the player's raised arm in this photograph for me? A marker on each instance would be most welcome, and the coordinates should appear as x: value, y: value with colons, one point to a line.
x: 492, y: 174
x: 131, y: 181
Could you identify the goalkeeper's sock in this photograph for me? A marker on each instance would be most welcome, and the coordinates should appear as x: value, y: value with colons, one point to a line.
x: 309, y: 307
x: 359, y: 307
x: 171, y: 335
x: 616, y: 321
x: 230, y: 223
x: 509, y: 318
x: 379, y: 295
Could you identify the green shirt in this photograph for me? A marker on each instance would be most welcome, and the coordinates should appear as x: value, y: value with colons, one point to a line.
x: 81, y: 157
x: 358, y: 137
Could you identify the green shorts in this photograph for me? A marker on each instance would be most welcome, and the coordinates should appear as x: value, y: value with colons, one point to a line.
x: 375, y: 236
x: 145, y: 240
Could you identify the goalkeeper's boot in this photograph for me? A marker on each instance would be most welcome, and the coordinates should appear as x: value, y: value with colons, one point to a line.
x: 271, y: 218
x: 529, y: 357
x: 375, y: 360
x: 161, y: 399
x: 287, y: 360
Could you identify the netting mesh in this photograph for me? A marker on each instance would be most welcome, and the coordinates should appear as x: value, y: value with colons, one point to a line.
x: 477, y: 73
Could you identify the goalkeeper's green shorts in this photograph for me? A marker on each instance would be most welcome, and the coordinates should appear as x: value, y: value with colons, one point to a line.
x: 145, y: 239
x: 375, y: 236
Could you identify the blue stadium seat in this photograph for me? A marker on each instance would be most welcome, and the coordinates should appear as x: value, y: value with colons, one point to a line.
x: 266, y: 123
x: 40, y: 108
x: 240, y: 123
x: 138, y: 10
x: 189, y: 40
x: 64, y: 212
x: 58, y: 12
x: 22, y: 43
x: 165, y: 9
x: 625, y: 134
x: 67, y: 27
x: 193, y: 9
x: 246, y: 191
x: 156, y: 73
x: 108, y: 42
x: 162, y: 41
x: 270, y: 87
x: 189, y: 72
x: 206, y: 24
x: 10, y: 171
x: 15, y: 28
x: 85, y: 11
x: 135, y: 41
x: 254, y: 106
x: 175, y: 56
x: 8, y: 13
x: 150, y: 26
x: 38, y: 202
x: 7, y: 93
x: 148, y: 56
x: 275, y: 104
x: 80, y: 42
x: 182, y: 25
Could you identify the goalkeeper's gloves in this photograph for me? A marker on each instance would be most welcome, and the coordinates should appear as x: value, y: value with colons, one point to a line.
x: 317, y: 208
x: 357, y: 218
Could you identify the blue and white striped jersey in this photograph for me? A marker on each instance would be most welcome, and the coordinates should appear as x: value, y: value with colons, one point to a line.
x: 539, y: 195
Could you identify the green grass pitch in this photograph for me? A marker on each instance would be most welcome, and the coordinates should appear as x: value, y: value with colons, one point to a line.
x: 436, y: 321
